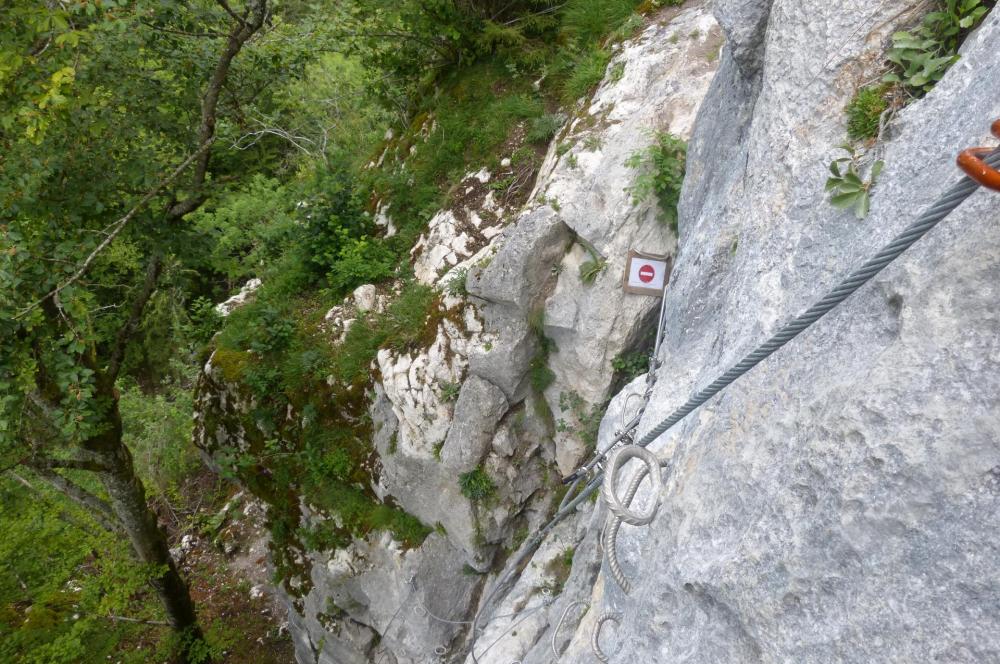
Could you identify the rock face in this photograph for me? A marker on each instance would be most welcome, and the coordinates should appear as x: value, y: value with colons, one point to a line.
x: 839, y: 502
x: 513, y: 305
x: 660, y: 80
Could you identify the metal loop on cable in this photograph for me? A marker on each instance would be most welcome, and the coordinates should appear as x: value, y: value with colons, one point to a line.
x: 595, y: 641
x: 971, y: 162
x: 562, y: 619
x: 621, y: 508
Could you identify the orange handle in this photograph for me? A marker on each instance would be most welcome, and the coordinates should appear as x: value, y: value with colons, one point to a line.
x: 971, y: 162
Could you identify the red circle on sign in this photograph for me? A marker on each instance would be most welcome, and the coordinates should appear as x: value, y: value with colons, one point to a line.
x: 646, y: 273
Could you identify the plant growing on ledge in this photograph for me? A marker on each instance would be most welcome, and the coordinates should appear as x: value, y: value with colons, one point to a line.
x: 847, y: 188
x: 476, y: 485
x: 924, y: 55
x: 864, y: 113
x: 662, y: 165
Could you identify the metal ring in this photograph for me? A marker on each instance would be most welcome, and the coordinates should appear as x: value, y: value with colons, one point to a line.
x: 615, y: 504
x: 625, y: 405
x: 562, y: 619
x: 595, y: 641
x: 971, y: 162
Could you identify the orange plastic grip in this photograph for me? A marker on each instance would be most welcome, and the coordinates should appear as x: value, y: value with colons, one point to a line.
x: 971, y: 162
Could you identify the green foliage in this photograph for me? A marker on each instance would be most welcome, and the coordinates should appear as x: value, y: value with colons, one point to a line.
x: 590, y: 269
x: 588, y: 21
x: 157, y: 430
x: 477, y: 485
x: 542, y: 129
x: 450, y: 390
x: 54, y: 590
x: 924, y: 55
x: 539, y: 374
x: 617, y: 71
x: 847, y: 188
x: 586, y: 419
x: 631, y: 365
x: 585, y: 71
x: 456, y: 284
x: 661, y: 173
x: 865, y: 111
x: 247, y: 228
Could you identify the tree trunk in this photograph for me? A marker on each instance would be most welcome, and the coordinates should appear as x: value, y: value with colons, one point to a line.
x: 127, y: 497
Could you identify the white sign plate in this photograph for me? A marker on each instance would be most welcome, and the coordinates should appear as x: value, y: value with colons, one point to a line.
x: 646, y: 274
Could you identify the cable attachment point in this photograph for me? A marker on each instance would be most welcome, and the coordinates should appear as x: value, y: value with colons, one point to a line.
x: 971, y: 162
x: 615, y: 504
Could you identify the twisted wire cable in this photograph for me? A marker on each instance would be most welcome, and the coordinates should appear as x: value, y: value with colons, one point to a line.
x: 954, y: 197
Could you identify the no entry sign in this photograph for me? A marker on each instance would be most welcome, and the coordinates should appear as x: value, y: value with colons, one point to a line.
x: 646, y: 274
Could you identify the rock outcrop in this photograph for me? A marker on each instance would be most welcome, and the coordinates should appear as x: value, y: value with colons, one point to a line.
x: 838, y: 503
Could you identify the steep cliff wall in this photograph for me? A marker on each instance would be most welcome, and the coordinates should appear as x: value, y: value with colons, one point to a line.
x: 834, y: 505
x: 838, y: 503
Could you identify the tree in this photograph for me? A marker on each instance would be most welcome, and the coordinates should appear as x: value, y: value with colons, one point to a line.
x: 110, y: 114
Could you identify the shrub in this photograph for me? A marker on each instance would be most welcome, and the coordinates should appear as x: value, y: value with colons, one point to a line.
x: 360, y: 261
x: 455, y: 286
x: 631, y: 365
x: 539, y: 373
x: 865, y: 112
x: 476, y: 485
x: 662, y: 166
x: 923, y: 56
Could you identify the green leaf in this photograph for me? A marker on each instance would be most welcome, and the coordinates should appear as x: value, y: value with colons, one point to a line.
x: 876, y: 170
x: 863, y: 206
x: 843, y: 200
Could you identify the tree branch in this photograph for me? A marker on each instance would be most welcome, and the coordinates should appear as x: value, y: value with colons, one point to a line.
x: 159, y: 28
x: 229, y: 10
x: 47, y: 463
x: 99, y: 510
x: 153, y: 270
x: 118, y: 226
x: 241, y: 32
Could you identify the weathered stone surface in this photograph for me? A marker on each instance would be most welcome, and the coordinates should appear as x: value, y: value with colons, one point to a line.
x: 839, y: 502
x: 479, y: 408
x: 453, y: 235
x: 238, y: 300
x: 664, y: 73
x: 517, y: 274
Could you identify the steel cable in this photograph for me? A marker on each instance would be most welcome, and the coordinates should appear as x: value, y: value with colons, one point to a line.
x: 954, y: 197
